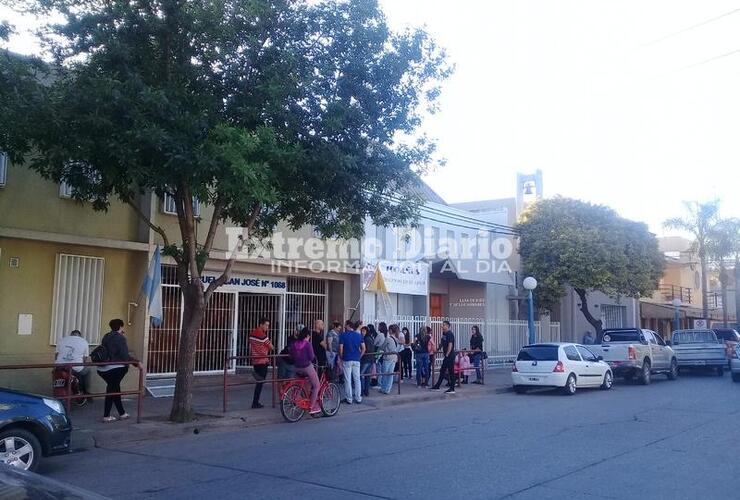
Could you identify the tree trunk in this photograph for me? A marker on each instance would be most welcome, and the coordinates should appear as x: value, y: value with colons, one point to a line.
x: 596, y: 323
x: 193, y: 311
x: 704, y: 283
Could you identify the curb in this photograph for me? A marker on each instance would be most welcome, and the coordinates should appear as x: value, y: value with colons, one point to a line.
x: 86, y: 439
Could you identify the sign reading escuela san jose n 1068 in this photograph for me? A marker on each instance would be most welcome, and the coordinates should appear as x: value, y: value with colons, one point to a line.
x: 247, y: 283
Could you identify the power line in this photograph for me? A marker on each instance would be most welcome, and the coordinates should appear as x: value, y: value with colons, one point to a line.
x: 711, y: 59
x: 692, y: 27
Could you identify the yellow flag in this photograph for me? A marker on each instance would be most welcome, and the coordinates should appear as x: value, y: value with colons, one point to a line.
x: 377, y: 283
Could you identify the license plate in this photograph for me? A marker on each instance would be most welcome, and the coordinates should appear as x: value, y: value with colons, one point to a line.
x: 534, y: 379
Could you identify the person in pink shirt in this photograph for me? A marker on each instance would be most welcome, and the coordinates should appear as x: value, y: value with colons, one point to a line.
x: 303, y: 357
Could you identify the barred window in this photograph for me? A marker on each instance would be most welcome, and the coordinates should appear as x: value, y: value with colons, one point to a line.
x: 78, y: 297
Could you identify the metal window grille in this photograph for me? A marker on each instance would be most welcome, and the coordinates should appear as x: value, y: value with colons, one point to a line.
x: 3, y: 168
x: 614, y: 316
x: 65, y: 190
x: 78, y: 297
x: 214, y: 339
x: 170, y: 207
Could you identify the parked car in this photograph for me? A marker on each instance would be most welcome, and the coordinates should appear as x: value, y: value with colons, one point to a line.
x: 17, y: 483
x: 31, y: 427
x: 730, y: 338
x: 566, y: 366
x: 699, y: 349
x: 735, y: 365
x: 634, y: 353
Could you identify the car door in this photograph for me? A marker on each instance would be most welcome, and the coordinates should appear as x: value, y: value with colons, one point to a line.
x: 665, y: 353
x: 657, y: 353
x: 575, y: 364
x: 593, y: 370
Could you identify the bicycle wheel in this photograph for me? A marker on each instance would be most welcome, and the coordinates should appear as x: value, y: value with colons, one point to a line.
x: 330, y: 400
x: 290, y: 404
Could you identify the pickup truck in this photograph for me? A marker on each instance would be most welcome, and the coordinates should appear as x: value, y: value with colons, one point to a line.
x: 634, y: 353
x: 699, y: 349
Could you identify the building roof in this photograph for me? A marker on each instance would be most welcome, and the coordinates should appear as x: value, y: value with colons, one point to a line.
x: 430, y: 194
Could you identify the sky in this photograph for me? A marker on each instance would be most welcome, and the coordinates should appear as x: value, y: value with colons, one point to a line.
x: 606, y: 97
x: 631, y: 103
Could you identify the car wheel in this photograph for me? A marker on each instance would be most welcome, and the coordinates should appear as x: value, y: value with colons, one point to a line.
x: 645, y: 376
x: 608, y: 381
x: 570, y: 385
x: 673, y: 373
x: 736, y: 376
x: 720, y: 372
x: 20, y: 448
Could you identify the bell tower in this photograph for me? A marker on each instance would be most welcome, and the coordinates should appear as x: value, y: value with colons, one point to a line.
x: 528, y: 190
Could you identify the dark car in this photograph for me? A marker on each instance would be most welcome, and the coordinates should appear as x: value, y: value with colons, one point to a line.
x: 31, y: 427
x: 17, y: 483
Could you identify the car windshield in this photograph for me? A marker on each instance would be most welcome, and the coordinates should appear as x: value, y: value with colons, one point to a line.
x: 694, y: 337
x: 621, y: 336
x: 538, y: 353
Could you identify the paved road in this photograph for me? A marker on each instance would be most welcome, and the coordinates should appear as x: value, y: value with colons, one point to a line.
x: 670, y: 440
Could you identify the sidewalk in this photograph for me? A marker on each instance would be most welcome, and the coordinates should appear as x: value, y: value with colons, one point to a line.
x: 90, y: 432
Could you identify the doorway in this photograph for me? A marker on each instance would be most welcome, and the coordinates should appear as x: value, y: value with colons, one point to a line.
x: 252, y: 307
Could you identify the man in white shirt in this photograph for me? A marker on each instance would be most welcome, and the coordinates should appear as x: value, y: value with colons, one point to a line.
x: 74, y: 349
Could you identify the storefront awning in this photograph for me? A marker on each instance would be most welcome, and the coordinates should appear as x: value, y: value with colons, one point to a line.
x: 472, y: 270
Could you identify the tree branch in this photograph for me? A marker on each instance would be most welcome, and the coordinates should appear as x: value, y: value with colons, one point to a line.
x: 152, y: 226
x: 187, y: 229
x: 239, y: 245
x: 218, y: 209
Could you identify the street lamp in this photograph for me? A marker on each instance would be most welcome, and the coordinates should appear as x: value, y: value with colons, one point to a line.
x: 530, y: 284
x: 676, y: 314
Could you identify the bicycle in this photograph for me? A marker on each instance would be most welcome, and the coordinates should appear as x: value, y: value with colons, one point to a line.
x: 295, y: 398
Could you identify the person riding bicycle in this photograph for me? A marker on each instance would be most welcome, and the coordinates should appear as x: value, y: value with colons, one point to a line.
x: 75, y: 349
x: 301, y: 351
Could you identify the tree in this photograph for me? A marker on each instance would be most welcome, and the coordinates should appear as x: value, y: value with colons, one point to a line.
x: 724, y: 243
x: 267, y: 110
x: 565, y: 242
x: 699, y: 220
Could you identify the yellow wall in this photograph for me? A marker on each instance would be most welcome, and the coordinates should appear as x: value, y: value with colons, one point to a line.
x: 29, y: 288
x: 29, y: 202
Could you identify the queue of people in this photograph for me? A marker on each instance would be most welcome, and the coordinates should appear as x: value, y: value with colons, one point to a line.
x: 112, y: 350
x: 363, y: 356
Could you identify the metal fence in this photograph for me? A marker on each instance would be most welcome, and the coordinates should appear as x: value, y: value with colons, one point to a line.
x: 502, y: 340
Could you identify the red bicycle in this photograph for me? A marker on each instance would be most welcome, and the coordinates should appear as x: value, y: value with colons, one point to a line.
x: 295, y: 398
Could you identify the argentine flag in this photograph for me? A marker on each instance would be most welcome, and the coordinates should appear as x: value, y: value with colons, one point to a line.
x: 151, y: 288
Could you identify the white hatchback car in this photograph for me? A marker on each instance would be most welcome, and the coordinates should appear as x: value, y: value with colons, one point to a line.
x: 735, y: 364
x: 568, y: 366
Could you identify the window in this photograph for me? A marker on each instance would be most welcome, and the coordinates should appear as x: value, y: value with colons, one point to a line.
x: 65, y: 190
x: 614, y: 316
x: 3, y: 168
x: 170, y: 207
x: 586, y: 354
x: 658, y: 339
x: 538, y: 353
x: 571, y: 353
x: 78, y: 297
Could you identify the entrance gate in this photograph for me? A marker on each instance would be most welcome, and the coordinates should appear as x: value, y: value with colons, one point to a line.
x: 251, y: 308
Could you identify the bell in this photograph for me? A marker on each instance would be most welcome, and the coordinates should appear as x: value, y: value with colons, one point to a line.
x: 528, y: 189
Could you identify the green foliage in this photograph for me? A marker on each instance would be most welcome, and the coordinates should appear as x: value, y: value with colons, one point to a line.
x: 589, y: 247
x: 293, y: 106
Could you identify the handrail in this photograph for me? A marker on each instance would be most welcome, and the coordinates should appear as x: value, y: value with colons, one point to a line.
x: 274, y: 381
x: 69, y: 397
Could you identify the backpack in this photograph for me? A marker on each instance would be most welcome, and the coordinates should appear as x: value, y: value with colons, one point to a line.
x: 100, y: 354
